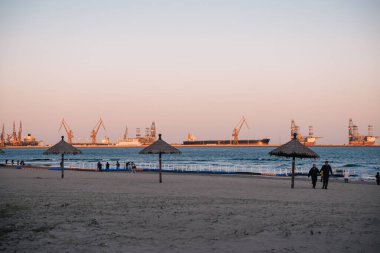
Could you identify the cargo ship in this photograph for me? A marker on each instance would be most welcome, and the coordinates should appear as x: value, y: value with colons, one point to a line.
x: 191, y: 139
x: 264, y: 141
x: 355, y: 139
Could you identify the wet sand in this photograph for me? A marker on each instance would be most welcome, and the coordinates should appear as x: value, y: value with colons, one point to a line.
x: 123, y: 212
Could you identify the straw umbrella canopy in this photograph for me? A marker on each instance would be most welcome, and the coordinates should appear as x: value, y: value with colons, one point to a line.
x: 294, y: 149
x: 160, y: 147
x: 62, y: 148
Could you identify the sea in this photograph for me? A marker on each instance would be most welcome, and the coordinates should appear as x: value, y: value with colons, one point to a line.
x: 362, y: 162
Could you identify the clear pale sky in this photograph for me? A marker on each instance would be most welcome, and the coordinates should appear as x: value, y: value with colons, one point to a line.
x: 190, y: 66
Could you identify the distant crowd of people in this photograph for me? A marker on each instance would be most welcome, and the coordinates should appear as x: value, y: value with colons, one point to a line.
x: 131, y: 166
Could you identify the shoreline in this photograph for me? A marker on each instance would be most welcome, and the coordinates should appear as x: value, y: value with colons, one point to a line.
x: 142, y: 171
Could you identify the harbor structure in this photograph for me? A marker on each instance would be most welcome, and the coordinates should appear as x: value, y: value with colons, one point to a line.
x: 95, y: 130
x: 69, y: 132
x: 355, y: 139
x: 236, y: 131
x: 191, y: 137
x: 126, y: 141
x: 149, y: 137
x: 15, y: 138
x: 30, y: 140
x: 308, y: 140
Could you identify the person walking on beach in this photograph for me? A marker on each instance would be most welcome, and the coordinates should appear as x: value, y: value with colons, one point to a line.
x: 326, y: 170
x: 99, y: 166
x: 117, y: 165
x: 377, y: 178
x: 107, y: 166
x: 346, y: 175
x: 133, y: 167
x: 313, y: 172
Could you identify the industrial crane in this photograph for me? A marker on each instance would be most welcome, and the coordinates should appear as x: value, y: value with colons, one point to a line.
x: 95, y: 130
x: 236, y: 131
x: 69, y: 132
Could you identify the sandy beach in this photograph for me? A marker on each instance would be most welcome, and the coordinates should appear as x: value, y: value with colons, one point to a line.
x: 123, y: 212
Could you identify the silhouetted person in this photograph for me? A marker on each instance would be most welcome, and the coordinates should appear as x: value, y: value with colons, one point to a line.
x: 99, y: 166
x: 107, y: 166
x: 326, y: 170
x: 13, y: 162
x: 18, y: 162
x: 377, y: 178
x: 6, y: 161
x: 117, y: 165
x: 133, y: 167
x: 313, y: 172
x: 346, y: 175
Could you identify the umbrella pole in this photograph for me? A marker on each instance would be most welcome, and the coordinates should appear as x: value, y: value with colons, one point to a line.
x: 293, y: 169
x: 62, y: 168
x: 160, y: 165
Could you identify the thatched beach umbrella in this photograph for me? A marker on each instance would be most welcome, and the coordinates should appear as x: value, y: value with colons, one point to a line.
x: 294, y: 149
x: 62, y: 148
x: 160, y: 147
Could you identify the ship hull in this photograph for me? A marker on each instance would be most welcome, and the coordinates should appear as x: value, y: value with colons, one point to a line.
x: 308, y: 143
x: 366, y: 141
x: 361, y: 143
x: 227, y: 142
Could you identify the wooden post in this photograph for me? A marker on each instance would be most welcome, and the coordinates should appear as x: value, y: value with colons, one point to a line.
x: 62, y: 167
x: 160, y: 164
x: 293, y: 169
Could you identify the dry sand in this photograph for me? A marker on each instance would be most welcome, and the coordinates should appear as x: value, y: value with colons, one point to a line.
x: 122, y: 212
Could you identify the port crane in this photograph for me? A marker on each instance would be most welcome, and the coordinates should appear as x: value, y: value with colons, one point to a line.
x: 95, y: 130
x: 69, y: 132
x: 236, y: 131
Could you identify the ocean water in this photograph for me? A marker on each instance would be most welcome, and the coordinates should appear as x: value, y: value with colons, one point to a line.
x: 362, y: 162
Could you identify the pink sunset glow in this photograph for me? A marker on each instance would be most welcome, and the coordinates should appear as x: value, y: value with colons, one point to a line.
x: 190, y: 66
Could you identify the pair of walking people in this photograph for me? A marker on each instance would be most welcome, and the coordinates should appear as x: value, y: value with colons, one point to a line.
x: 325, y: 172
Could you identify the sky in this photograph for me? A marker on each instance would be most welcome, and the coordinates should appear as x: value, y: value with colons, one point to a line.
x: 190, y: 66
